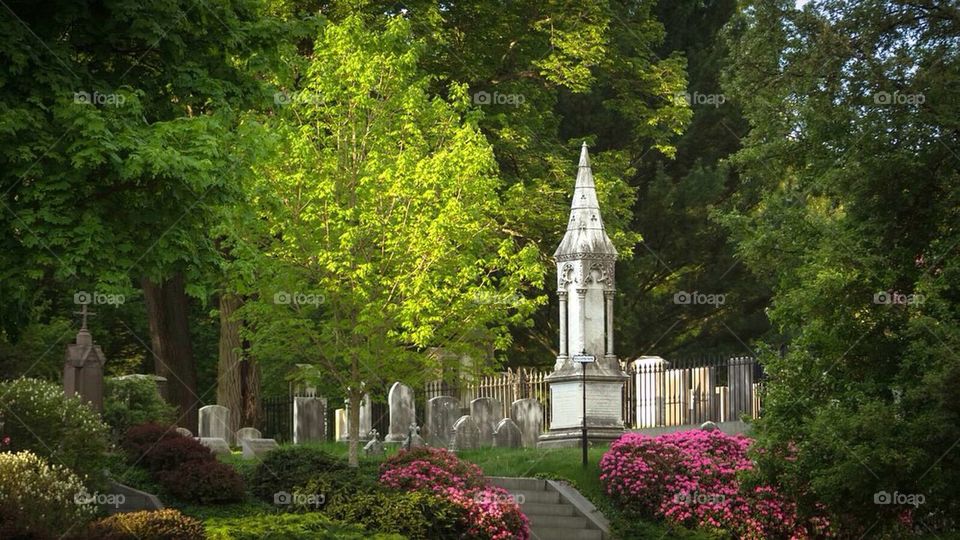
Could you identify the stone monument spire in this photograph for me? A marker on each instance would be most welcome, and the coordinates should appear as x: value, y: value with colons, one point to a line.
x: 586, y: 287
x: 83, y: 367
x: 585, y: 276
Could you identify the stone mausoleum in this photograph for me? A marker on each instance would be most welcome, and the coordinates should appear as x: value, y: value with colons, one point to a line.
x: 585, y: 286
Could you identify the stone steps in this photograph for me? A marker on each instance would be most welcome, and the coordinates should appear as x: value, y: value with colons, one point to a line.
x: 556, y: 511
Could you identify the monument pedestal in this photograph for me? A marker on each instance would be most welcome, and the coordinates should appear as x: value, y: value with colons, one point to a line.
x: 604, y: 386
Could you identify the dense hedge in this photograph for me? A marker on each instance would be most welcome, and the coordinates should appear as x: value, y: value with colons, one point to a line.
x: 415, y: 515
x: 309, y: 526
x: 134, y: 401
x: 166, y: 524
x: 286, y: 468
x: 203, y: 482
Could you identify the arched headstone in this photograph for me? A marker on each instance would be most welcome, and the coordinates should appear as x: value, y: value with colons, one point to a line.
x: 403, y: 411
x: 466, y: 434
x: 507, y: 435
x: 487, y: 412
x: 528, y: 415
x: 442, y: 412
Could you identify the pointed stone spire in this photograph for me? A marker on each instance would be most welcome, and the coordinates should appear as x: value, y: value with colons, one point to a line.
x: 585, y: 234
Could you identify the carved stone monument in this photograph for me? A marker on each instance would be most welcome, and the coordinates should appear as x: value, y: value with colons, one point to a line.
x: 83, y: 367
x: 585, y: 286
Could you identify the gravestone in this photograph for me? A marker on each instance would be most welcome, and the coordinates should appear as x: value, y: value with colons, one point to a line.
x: 309, y: 419
x: 365, y: 419
x: 466, y: 434
x: 488, y: 413
x: 442, y: 412
x: 256, y: 447
x: 246, y: 433
x: 528, y: 415
x: 414, y: 440
x: 184, y: 431
x: 340, y: 419
x: 507, y: 435
x: 403, y: 411
x: 216, y: 445
x: 375, y: 446
x: 215, y: 423
x: 83, y: 367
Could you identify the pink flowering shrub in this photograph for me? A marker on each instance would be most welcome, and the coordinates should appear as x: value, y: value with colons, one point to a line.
x: 491, y: 513
x: 691, y: 478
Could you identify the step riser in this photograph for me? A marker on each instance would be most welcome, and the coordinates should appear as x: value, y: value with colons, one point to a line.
x: 543, y: 509
x: 566, y: 522
x: 520, y: 484
x: 552, y: 533
x: 524, y: 497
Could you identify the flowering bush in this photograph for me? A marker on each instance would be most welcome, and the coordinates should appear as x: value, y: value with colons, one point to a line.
x: 488, y: 512
x: 39, y: 500
x: 430, y: 468
x: 691, y: 478
x: 67, y: 431
x: 168, y: 524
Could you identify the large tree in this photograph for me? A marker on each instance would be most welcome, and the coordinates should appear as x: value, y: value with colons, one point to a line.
x: 851, y: 202
x: 377, y: 233
x: 117, y: 140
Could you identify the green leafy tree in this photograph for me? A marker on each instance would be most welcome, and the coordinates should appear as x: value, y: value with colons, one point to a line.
x: 378, y: 226
x: 850, y: 203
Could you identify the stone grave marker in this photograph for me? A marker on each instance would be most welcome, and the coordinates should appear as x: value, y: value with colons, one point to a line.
x: 184, y: 431
x: 507, y: 434
x: 528, y: 415
x: 83, y: 367
x: 246, y: 433
x: 488, y: 413
x: 403, y: 411
x: 216, y: 445
x: 375, y: 446
x: 215, y: 423
x: 466, y: 433
x: 256, y: 447
x: 442, y: 412
x: 309, y: 419
x: 414, y: 440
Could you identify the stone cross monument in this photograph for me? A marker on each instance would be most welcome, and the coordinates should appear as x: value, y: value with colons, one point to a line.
x: 83, y: 368
x: 585, y: 286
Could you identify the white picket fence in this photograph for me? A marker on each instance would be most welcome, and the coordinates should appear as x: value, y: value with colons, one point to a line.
x: 655, y: 394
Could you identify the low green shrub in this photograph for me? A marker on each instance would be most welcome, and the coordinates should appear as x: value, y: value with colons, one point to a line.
x: 287, y: 467
x: 39, y: 500
x: 416, y: 515
x: 166, y: 524
x: 134, y: 401
x: 204, y: 482
x: 309, y: 526
x: 331, y: 485
x: 66, y: 431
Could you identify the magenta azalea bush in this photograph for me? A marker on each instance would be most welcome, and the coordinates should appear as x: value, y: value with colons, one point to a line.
x: 491, y: 512
x: 691, y: 478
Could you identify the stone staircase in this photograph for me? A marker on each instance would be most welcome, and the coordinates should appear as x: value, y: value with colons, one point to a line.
x: 556, y: 511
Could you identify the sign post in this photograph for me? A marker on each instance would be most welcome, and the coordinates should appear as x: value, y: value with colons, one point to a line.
x: 583, y: 360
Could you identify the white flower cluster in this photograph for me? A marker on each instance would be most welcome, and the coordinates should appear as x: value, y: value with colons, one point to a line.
x: 37, y: 491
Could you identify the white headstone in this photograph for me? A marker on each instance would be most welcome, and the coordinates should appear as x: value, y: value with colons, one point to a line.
x: 246, y: 433
x: 215, y: 423
x: 309, y: 419
x: 184, y: 431
x: 507, y: 435
x: 528, y: 415
x: 442, y: 412
x: 340, y: 421
x: 216, y: 445
x: 257, y: 447
x: 403, y: 411
x: 488, y: 413
x: 466, y: 434
x: 651, y: 387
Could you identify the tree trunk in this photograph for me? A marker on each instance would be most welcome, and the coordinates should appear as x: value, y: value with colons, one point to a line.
x: 353, y: 412
x: 238, y: 377
x: 167, y: 313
